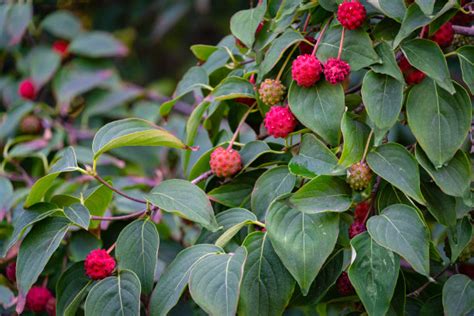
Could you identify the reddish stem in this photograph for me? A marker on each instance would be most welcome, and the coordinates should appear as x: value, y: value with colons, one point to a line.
x: 242, y: 121
x: 321, y: 34
x: 341, y: 43
x: 111, y: 248
x: 306, y: 22
x: 118, y: 218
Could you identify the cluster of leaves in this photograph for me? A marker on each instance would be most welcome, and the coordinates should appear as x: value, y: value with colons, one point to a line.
x: 274, y: 237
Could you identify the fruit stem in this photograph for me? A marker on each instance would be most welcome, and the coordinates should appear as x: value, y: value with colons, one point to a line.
x: 101, y: 180
x: 280, y: 73
x: 234, y: 137
x: 119, y: 218
x: 202, y: 177
x: 418, y: 291
x: 321, y: 34
x: 366, y: 149
x: 341, y: 43
x: 306, y: 22
x: 111, y: 248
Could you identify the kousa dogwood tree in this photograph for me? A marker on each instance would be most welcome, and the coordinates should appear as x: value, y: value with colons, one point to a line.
x: 321, y: 166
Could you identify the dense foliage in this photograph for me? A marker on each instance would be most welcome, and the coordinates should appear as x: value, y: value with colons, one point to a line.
x: 321, y: 166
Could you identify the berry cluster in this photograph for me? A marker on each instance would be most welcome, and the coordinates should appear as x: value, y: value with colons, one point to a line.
x: 351, y: 14
x: 99, y: 264
x: 40, y: 299
x: 279, y: 121
x: 271, y: 91
x: 225, y: 162
x: 359, y: 176
x: 306, y: 70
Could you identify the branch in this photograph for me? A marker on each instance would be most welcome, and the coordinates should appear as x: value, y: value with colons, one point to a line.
x: 464, y: 30
x: 202, y: 177
x: 98, y: 178
x: 418, y: 291
x: 119, y: 218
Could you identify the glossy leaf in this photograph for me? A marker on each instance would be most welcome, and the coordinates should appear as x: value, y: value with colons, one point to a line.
x: 215, y: 282
x: 243, y: 24
x: 97, y: 200
x: 392, y: 8
x: 137, y: 251
x: 266, y: 285
x: 400, y: 229
x: 426, y: 6
x: 440, y: 121
x: 277, y: 49
x: 302, y: 241
x: 466, y: 58
x: 389, y: 64
x: 78, y: 214
x: 233, y: 87
x: 458, y: 295
x: 459, y: 237
x: 71, y: 289
x: 320, y: 108
x: 355, y: 135
x: 397, y: 166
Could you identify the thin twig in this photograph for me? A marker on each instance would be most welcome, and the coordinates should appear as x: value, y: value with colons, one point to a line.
x: 98, y: 178
x: 202, y: 177
x: 418, y: 291
x: 321, y: 34
x: 366, y: 149
x: 234, y: 137
x: 341, y: 43
x: 280, y: 73
x: 118, y: 218
x: 464, y: 30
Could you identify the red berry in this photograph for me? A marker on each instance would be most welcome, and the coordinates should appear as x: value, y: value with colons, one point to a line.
x: 356, y: 228
x: 336, y: 70
x: 279, y: 121
x: 306, y: 48
x: 37, y: 299
x: 344, y: 285
x: 99, y: 264
x: 61, y: 47
x: 10, y: 272
x: 361, y: 211
x: 225, y: 162
x: 351, y: 14
x: 27, y: 89
x: 306, y: 70
x: 445, y: 35
x: 411, y: 74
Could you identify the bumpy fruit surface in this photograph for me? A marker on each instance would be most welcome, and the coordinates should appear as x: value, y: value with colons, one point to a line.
x: 61, y: 47
x: 351, y: 14
x: 271, y: 91
x: 27, y: 89
x: 31, y: 124
x: 306, y: 48
x: 336, y: 70
x: 411, y: 74
x: 306, y: 70
x: 361, y: 211
x: 444, y: 36
x: 356, y: 228
x: 10, y: 272
x: 359, y: 176
x: 279, y: 121
x: 99, y: 264
x: 225, y: 163
x: 344, y: 285
x: 37, y: 299
x: 462, y: 40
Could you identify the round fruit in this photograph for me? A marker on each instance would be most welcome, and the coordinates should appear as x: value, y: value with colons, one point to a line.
x: 306, y: 70
x: 99, y: 264
x: 359, y: 176
x: 37, y: 299
x: 351, y: 14
x: 344, y: 285
x: 31, y: 124
x: 27, y: 89
x: 356, y: 228
x: 336, y: 70
x: 271, y: 91
x: 444, y: 36
x: 61, y: 48
x: 225, y: 162
x: 361, y: 211
x: 279, y: 121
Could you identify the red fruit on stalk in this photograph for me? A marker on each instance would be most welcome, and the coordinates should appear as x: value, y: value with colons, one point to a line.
x: 336, y: 70
x: 279, y: 121
x: 411, y: 74
x: 306, y: 70
x: 61, y: 47
x: 27, y: 89
x: 444, y: 36
x: 351, y: 14
x: 361, y: 211
x: 99, y: 264
x: 37, y: 299
x: 225, y: 162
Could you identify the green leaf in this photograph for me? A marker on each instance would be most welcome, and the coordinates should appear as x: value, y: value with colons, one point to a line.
x: 400, y: 229
x: 313, y: 159
x: 175, y: 278
x: 392, y: 8
x: 78, y: 214
x: 373, y: 273
x: 322, y: 194
x: 396, y: 165
x: 458, y: 295
x: 185, y: 199
x: 215, y: 281
x: 43, y: 63
x: 389, y: 64
x: 302, y: 241
x: 270, y: 185
x: 115, y: 295
x: 62, y: 24
x: 355, y: 135
x: 277, y: 49
x: 266, y: 285
x: 383, y: 98
x: 244, y: 23
x: 440, y: 205
x: 426, y: 6
x: 202, y: 52
x: 97, y: 201
x: 466, y: 58
x: 14, y: 22
x: 81, y: 243
x: 357, y: 50
x: 97, y: 44
x: 440, y: 121
x: 25, y: 218
x: 36, y: 250
x: 453, y: 177
x: 66, y: 163
x: 252, y: 150
x: 233, y: 87
x: 195, y: 78
x: 192, y: 126
x: 6, y: 193
x: 426, y: 56
x: 132, y: 132
x: 12, y: 119
x: 459, y: 237
x: 137, y: 251
x: 320, y: 108
x: 71, y: 289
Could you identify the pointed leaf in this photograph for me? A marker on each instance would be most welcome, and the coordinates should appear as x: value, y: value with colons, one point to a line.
x: 97, y: 44
x: 440, y: 205
x: 399, y: 228
x: 466, y: 58
x: 426, y: 6
x: 243, y: 24
x: 355, y: 135
x: 71, y: 289
x: 62, y: 24
x: 458, y: 295
x: 43, y: 63
x: 389, y: 64
x: 459, y: 237
x: 78, y: 214
x: 302, y: 241
x: 233, y: 87
x: 277, y: 49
